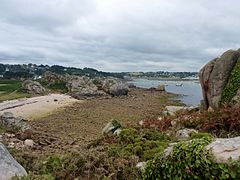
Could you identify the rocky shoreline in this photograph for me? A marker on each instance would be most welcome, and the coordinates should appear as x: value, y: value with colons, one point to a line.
x: 123, y: 132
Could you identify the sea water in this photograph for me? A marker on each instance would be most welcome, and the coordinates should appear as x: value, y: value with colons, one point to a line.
x: 190, y: 91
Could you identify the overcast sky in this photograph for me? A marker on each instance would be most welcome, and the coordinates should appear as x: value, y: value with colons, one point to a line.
x: 118, y: 35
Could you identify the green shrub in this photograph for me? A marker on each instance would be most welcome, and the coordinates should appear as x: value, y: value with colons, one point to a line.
x: 128, y: 135
x: 155, y: 136
x: 116, y: 124
x: 189, y: 160
x: 233, y: 84
x: 143, y: 143
x: 201, y: 135
x: 58, y: 86
x: 151, y: 153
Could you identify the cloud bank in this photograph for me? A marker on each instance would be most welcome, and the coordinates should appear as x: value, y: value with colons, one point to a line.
x: 118, y: 35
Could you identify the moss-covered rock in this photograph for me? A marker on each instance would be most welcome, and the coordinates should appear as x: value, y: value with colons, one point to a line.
x: 233, y: 84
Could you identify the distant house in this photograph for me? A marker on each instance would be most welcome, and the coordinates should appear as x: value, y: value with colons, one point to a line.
x: 37, y: 77
x: 1, y: 76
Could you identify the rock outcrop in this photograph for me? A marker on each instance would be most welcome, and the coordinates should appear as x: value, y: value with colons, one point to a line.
x: 33, y: 87
x: 9, y: 167
x: 9, y: 121
x: 82, y: 86
x: 216, y: 79
x: 51, y: 78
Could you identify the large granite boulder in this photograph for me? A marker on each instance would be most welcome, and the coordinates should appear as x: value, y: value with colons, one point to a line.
x: 216, y: 79
x: 9, y: 167
x: 82, y: 86
x: 114, y: 87
x: 33, y: 87
x: 119, y: 89
x: 225, y: 149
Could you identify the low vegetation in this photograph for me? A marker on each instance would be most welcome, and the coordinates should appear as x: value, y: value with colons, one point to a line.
x: 233, y: 84
x: 58, y: 86
x: 115, y: 157
x: 10, y: 89
x: 223, y: 122
x: 112, y: 157
x: 189, y: 161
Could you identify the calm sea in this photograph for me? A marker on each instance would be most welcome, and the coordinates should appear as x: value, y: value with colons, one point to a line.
x: 191, y: 90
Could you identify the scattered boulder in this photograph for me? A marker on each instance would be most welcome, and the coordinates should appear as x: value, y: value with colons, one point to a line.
x: 161, y: 88
x: 117, y: 132
x: 119, y: 89
x: 172, y: 110
x: 9, y: 167
x: 33, y: 87
x: 29, y: 142
x: 141, y: 165
x: 184, y: 134
x: 114, y: 87
x: 141, y: 123
x: 16, y: 123
x: 113, y: 127
x: 215, y: 76
x: 225, y: 149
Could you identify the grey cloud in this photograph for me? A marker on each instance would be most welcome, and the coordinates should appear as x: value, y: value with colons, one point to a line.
x: 119, y: 35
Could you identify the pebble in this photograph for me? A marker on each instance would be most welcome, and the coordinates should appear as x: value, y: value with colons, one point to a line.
x: 29, y: 142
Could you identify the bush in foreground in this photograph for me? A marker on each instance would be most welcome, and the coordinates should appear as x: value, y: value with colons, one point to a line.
x: 189, y: 160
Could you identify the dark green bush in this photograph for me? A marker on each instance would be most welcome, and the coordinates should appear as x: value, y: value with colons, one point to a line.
x: 189, y: 160
x: 58, y: 86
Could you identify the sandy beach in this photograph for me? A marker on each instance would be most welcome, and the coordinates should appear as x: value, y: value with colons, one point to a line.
x: 37, y: 107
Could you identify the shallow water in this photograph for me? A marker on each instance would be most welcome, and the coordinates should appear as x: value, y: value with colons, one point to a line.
x: 191, y: 90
